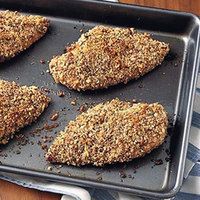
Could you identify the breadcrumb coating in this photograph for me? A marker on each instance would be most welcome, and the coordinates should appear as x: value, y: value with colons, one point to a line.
x: 106, y: 56
x: 18, y: 32
x: 110, y: 132
x: 19, y: 106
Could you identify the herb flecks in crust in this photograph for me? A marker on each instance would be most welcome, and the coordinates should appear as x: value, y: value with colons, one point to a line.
x: 18, y: 32
x: 106, y: 56
x: 19, y: 106
x: 110, y: 132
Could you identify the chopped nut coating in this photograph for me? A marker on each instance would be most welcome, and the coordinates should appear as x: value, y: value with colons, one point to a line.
x: 18, y: 32
x: 110, y: 132
x: 107, y: 56
x: 19, y: 106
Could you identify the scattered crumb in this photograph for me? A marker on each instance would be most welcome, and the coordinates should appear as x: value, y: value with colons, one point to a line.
x: 54, y: 116
x: 59, y: 166
x: 82, y: 108
x: 122, y: 174
x: 157, y: 162
x: 98, y: 173
x: 45, y: 89
x: 42, y: 61
x: 49, y: 168
x: 49, y: 127
x: 73, y: 102
x: 140, y: 85
x: 44, y: 147
x: 99, y: 178
x: 18, y: 152
x: 167, y: 159
x: 60, y: 93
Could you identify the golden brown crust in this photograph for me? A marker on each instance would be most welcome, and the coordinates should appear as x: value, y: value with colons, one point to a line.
x: 18, y: 32
x: 107, y: 56
x: 19, y: 106
x: 115, y: 131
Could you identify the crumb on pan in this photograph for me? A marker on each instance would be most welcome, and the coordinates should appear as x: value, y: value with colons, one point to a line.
x: 19, y: 106
x: 18, y: 32
x: 110, y: 132
x: 106, y: 56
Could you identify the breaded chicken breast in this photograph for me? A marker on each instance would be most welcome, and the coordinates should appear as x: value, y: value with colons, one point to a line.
x: 18, y: 32
x: 19, y: 106
x: 110, y: 132
x: 106, y: 56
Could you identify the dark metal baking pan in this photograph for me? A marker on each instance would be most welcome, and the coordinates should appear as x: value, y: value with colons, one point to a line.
x: 172, y: 84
